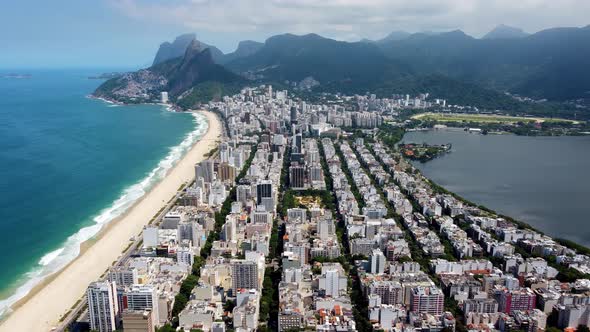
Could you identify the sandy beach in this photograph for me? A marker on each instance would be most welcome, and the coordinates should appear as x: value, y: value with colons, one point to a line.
x: 43, y: 307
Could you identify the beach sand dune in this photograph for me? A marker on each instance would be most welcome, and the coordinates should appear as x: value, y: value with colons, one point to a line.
x: 42, y: 309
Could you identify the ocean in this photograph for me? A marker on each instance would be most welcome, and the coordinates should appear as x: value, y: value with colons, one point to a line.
x: 543, y: 181
x: 69, y: 164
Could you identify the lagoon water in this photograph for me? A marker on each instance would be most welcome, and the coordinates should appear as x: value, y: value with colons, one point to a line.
x: 544, y: 181
x: 70, y: 164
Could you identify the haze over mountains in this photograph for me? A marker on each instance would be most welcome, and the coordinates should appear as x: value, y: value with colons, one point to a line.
x: 551, y: 64
x: 177, y: 48
x: 505, y: 32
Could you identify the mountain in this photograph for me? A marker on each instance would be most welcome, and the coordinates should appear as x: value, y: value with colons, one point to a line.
x: 359, y: 67
x: 183, y: 77
x: 294, y: 58
x: 216, y: 54
x: 168, y: 51
x: 552, y: 64
x: 505, y: 32
x: 177, y: 48
x: 245, y: 48
x: 395, y: 35
x: 196, y: 66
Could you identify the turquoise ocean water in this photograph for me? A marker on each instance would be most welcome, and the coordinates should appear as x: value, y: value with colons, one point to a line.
x: 70, y: 164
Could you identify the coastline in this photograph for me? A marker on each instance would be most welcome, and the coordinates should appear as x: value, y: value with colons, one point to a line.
x: 43, y: 306
x: 114, y: 102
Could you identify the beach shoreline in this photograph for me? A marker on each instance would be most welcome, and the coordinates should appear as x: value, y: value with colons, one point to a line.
x: 45, y: 304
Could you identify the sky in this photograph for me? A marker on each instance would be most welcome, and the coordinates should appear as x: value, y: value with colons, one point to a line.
x: 127, y: 33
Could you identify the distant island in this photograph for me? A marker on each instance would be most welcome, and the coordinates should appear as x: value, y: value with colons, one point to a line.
x: 13, y: 75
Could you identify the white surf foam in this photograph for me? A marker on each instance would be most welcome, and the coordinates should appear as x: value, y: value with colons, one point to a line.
x: 59, y: 258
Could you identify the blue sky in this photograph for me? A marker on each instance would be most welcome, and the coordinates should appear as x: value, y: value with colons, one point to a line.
x: 126, y: 33
x: 75, y: 33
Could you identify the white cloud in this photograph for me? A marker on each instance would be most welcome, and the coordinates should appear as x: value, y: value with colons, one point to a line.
x: 354, y: 19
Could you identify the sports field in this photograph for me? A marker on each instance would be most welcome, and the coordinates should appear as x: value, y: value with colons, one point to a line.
x: 483, y: 118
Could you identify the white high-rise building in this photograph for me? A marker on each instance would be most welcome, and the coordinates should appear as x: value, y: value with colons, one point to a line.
x: 164, y: 97
x: 224, y: 152
x: 218, y: 193
x: 185, y: 254
x: 150, y: 237
x: 142, y: 297
x: 123, y: 275
x: 229, y: 230
x: 237, y: 158
x: 377, y: 262
x: 102, y: 306
x: 332, y: 282
x: 325, y: 229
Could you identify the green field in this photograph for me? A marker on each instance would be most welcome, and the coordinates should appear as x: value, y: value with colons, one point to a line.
x: 483, y: 118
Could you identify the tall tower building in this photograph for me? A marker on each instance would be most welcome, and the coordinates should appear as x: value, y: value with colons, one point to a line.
x: 297, y: 176
x: 243, y: 193
x: 227, y: 172
x: 293, y: 114
x: 325, y: 229
x: 185, y: 254
x: 102, y: 306
x: 164, y: 97
x: 206, y: 170
x: 377, y: 261
x: 244, y: 275
x: 427, y: 300
x: 229, y: 230
x: 298, y: 143
x: 332, y: 281
x: 264, y: 194
x: 224, y: 152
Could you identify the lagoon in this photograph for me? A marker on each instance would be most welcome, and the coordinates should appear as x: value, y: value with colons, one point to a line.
x: 543, y: 181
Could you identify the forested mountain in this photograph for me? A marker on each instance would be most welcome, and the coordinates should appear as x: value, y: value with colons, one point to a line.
x: 180, y: 77
x: 177, y: 48
x: 293, y: 58
x: 245, y: 48
x: 553, y: 64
